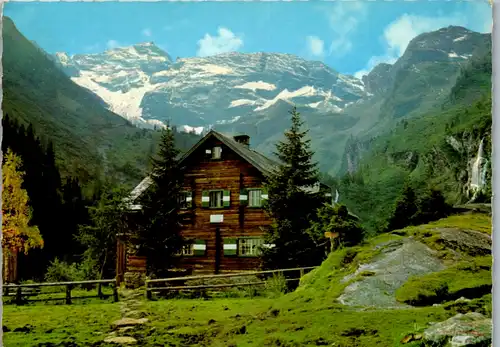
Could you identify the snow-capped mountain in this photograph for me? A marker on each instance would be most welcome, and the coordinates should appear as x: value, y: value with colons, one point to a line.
x: 144, y: 85
x: 252, y: 92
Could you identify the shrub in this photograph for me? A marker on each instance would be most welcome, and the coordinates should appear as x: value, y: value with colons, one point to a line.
x: 61, y: 271
x: 276, y: 285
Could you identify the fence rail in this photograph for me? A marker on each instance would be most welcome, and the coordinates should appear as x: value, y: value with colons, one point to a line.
x: 33, y: 289
x: 150, y: 289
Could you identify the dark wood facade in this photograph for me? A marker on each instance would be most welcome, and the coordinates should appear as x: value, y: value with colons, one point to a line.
x: 226, y: 234
x: 223, y: 206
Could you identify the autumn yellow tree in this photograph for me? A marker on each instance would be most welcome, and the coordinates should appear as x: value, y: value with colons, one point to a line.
x: 18, y: 234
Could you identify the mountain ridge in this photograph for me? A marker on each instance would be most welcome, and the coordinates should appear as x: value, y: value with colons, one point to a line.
x: 242, y: 92
x: 87, y: 137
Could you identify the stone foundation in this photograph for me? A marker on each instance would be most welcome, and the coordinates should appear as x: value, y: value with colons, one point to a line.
x: 134, y: 280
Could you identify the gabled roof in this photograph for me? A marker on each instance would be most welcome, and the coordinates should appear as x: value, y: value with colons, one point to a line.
x: 265, y: 165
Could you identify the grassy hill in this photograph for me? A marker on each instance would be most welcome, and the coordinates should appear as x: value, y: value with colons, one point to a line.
x: 89, y: 140
x: 312, y: 315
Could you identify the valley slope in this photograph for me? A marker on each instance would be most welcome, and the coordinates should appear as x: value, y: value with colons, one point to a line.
x: 90, y: 141
x: 448, y: 148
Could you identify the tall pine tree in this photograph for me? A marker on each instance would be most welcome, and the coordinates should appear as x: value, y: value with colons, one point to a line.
x: 159, y: 221
x: 290, y: 205
x: 405, y: 209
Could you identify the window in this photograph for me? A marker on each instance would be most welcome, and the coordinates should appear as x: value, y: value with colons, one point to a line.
x: 216, y: 199
x: 255, y: 198
x: 186, y: 250
x: 185, y: 200
x: 216, y: 153
x: 249, y: 246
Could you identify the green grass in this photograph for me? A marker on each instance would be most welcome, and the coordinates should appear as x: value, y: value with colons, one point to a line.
x: 220, y: 322
x: 82, y: 324
x: 475, y: 221
x: 309, y: 316
x: 265, y: 324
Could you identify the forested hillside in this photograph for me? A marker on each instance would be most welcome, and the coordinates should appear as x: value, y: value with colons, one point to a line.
x: 89, y: 141
x: 69, y: 144
x: 436, y: 149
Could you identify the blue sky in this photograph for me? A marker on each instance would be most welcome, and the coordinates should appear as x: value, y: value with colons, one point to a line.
x: 349, y: 36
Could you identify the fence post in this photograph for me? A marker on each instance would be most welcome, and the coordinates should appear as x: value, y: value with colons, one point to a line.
x: 115, y: 291
x: 301, y: 272
x: 68, y: 294
x: 99, y: 290
x: 148, y: 292
x: 19, y: 296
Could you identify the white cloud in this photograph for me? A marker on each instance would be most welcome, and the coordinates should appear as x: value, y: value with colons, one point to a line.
x: 147, y: 32
x: 225, y: 41
x: 112, y: 44
x: 398, y: 34
x: 315, y: 46
x: 344, y: 18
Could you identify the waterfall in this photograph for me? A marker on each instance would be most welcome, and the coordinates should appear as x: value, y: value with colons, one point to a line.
x: 478, y: 172
x: 336, y: 196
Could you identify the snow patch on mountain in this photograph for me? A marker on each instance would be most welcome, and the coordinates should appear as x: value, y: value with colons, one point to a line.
x: 257, y: 85
x: 301, y: 92
x: 142, y: 84
x: 190, y: 129
x: 127, y: 104
x: 461, y: 38
x: 242, y: 102
x: 230, y: 121
x: 455, y: 55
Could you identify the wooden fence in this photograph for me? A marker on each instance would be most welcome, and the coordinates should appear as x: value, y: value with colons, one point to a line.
x: 34, y: 289
x: 150, y: 289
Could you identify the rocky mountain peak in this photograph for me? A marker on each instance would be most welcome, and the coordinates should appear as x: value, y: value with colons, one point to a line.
x: 376, y: 81
x: 143, y: 84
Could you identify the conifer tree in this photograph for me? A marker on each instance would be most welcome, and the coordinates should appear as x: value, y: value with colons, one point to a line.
x: 159, y: 221
x: 405, y: 209
x: 336, y: 219
x: 290, y: 206
x: 106, y: 220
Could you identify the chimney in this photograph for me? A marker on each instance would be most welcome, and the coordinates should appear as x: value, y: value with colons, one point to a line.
x: 243, y: 139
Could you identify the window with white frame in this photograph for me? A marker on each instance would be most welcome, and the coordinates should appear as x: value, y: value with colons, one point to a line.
x: 186, y: 250
x: 216, y: 199
x: 216, y: 152
x: 249, y: 246
x: 255, y: 198
x: 183, y: 200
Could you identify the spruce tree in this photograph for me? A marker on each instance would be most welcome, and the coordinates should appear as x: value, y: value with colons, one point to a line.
x: 405, y: 209
x: 98, y: 237
x: 159, y: 222
x: 290, y: 206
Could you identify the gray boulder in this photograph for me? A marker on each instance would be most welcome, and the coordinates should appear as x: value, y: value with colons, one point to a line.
x: 470, y: 329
